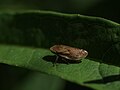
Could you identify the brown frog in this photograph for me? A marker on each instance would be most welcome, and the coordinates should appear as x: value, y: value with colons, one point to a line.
x: 68, y: 52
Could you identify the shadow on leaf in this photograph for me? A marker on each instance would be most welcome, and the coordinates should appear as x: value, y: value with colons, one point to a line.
x: 106, y: 79
x: 52, y: 58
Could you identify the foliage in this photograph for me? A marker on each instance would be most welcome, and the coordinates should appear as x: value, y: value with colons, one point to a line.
x: 26, y: 36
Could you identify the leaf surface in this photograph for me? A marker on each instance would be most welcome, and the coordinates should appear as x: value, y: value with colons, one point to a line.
x: 26, y: 36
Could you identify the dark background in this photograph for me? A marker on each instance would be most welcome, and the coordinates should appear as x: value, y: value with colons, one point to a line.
x: 109, y: 9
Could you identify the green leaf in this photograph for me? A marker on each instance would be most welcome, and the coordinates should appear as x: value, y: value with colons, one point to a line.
x: 26, y: 37
x: 39, y: 81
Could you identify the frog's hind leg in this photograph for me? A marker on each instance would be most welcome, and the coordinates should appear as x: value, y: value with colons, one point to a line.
x: 54, y: 63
